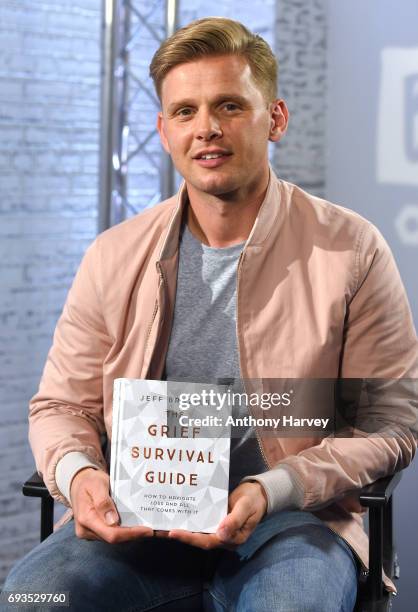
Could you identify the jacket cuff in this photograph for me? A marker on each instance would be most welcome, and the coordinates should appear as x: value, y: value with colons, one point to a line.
x: 283, y: 490
x: 67, y: 467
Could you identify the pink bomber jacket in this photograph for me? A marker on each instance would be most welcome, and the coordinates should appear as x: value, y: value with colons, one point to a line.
x: 318, y: 296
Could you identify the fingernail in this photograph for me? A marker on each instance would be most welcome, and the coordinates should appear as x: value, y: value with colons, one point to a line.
x: 111, y: 518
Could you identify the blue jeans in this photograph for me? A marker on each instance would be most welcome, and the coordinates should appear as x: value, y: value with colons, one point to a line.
x: 291, y: 563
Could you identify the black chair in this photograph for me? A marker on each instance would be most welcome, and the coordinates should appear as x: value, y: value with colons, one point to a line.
x: 35, y: 487
x: 377, y: 497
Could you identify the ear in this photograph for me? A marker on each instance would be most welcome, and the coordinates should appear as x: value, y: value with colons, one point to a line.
x: 279, y: 118
x: 161, y: 131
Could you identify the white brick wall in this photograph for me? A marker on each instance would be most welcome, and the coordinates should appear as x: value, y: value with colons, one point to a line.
x: 49, y: 134
x: 300, y: 41
x: 49, y: 120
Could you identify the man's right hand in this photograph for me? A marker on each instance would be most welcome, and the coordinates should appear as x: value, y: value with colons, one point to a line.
x: 95, y: 514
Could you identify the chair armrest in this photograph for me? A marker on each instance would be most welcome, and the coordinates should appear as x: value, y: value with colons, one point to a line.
x: 378, y: 493
x: 377, y: 497
x: 35, y: 487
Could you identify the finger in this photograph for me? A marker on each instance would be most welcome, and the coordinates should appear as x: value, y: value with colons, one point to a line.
x: 86, y: 534
x: 201, y: 540
x: 93, y: 522
x: 93, y: 490
x: 159, y: 533
x: 240, y: 536
x: 95, y: 512
x: 235, y: 520
x: 116, y: 535
x: 106, y: 508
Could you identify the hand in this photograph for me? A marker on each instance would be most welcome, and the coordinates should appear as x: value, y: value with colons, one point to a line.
x: 95, y: 513
x: 247, y: 506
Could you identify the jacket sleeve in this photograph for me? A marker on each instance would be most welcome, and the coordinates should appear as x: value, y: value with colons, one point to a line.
x: 379, y: 344
x: 66, y: 414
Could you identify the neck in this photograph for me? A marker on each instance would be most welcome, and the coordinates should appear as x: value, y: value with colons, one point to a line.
x: 222, y: 221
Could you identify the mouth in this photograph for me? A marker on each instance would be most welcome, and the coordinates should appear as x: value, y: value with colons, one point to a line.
x: 212, y: 156
x: 212, y: 159
x: 211, y: 153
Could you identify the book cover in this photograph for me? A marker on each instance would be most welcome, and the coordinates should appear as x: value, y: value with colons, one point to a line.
x: 162, y: 474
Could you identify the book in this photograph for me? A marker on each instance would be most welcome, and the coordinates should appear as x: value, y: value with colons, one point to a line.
x: 165, y: 471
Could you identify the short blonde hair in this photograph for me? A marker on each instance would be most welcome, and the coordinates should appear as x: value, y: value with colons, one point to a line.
x: 213, y: 36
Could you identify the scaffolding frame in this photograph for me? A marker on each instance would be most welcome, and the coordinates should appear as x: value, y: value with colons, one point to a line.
x: 122, y: 24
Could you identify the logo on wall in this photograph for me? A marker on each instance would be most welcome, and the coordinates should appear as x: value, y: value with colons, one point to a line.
x: 397, y: 131
x: 411, y: 118
x: 406, y: 224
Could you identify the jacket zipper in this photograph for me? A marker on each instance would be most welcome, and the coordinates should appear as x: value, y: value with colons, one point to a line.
x: 154, y: 313
x: 260, y: 447
x: 363, y: 569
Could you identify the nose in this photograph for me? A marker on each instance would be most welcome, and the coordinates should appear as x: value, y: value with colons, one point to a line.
x: 208, y: 126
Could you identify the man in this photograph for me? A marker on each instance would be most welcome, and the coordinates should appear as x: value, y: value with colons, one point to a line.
x: 241, y: 275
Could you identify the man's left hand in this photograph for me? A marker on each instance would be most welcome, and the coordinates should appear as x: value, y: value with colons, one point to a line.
x: 247, y: 506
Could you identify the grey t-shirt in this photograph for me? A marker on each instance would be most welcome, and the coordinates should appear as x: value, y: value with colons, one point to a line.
x: 203, y: 348
x: 203, y: 343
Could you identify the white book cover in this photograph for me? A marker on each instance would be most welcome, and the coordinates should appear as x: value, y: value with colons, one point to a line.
x: 162, y: 474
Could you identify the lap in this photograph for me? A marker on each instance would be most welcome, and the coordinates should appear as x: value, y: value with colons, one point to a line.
x: 139, y: 575
x: 305, y: 567
x: 300, y: 566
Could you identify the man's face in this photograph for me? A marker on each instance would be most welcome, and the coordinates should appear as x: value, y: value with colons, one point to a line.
x: 216, y: 124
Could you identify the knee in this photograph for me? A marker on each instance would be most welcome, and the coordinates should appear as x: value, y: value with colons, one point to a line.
x: 34, y: 573
x: 316, y: 590
x: 307, y: 587
x: 37, y: 574
x: 328, y: 583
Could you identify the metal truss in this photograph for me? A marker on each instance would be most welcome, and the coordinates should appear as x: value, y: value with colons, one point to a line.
x: 134, y: 171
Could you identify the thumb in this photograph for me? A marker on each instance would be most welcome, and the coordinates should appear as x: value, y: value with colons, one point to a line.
x: 111, y: 517
x: 107, y: 511
x: 104, y: 504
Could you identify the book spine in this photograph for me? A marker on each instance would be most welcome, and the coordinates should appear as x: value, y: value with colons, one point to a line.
x: 116, y: 416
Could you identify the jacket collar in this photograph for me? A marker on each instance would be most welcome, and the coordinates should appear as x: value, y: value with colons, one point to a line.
x: 268, y: 214
x: 266, y: 220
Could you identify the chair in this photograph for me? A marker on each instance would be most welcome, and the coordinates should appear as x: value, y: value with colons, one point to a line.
x: 377, y: 497
x: 35, y: 487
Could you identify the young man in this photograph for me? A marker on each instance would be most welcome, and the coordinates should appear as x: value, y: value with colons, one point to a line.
x: 240, y: 275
